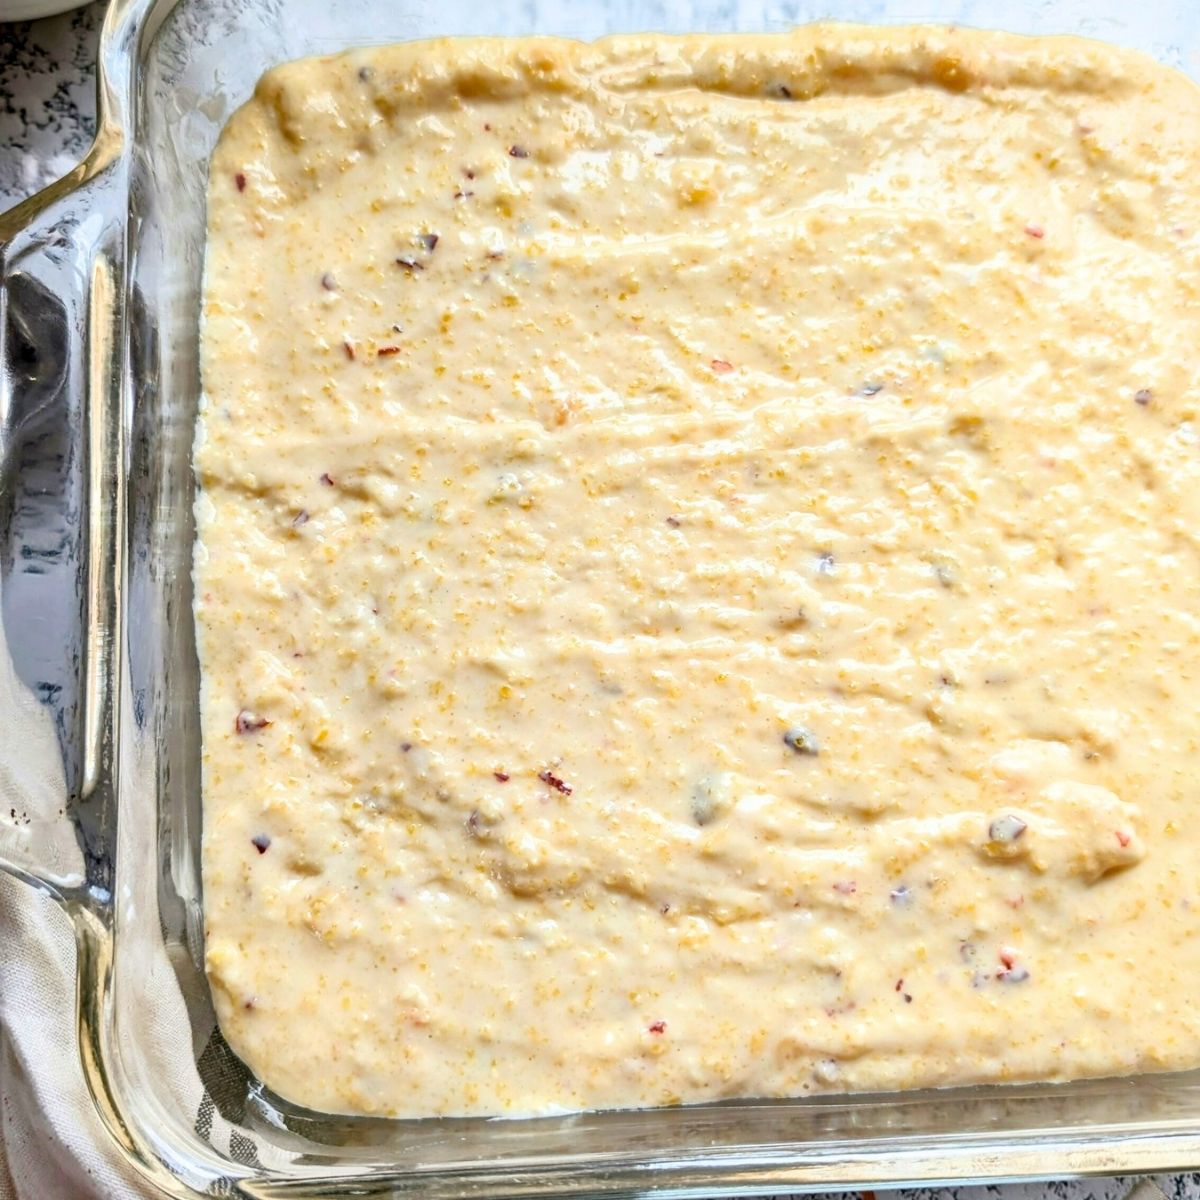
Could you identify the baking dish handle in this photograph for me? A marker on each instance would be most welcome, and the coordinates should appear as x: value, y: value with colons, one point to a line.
x: 61, y: 538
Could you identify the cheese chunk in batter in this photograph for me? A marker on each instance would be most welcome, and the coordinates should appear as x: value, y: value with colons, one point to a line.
x: 698, y: 578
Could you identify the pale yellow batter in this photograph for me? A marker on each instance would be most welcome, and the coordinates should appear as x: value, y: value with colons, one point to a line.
x: 699, y: 569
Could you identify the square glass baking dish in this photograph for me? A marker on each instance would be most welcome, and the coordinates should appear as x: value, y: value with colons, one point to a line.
x: 99, y: 302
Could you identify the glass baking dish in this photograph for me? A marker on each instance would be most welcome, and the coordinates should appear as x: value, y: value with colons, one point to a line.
x: 99, y: 294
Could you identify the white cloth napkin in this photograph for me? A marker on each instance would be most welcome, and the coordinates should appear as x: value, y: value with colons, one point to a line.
x: 52, y: 1145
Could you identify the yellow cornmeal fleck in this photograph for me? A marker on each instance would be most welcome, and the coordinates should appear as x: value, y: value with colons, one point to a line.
x: 697, y: 569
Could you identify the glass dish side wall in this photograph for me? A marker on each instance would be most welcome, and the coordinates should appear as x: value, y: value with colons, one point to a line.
x: 196, y: 60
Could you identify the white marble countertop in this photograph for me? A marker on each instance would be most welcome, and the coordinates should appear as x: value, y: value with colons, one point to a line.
x: 47, y: 108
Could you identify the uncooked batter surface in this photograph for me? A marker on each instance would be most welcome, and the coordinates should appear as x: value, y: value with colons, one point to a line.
x: 698, y: 578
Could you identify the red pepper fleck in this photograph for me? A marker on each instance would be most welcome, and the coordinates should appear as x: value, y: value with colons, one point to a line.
x: 517, y: 152
x: 1123, y: 838
x: 1013, y: 975
x: 557, y: 784
x: 240, y: 180
x: 385, y: 351
x: 658, y: 1027
x: 1035, y: 231
x: 1008, y: 958
x: 327, y: 479
x: 501, y: 776
x: 248, y: 722
x: 837, y: 1010
x: 260, y: 841
x: 899, y: 984
x: 721, y: 366
x: 348, y: 346
x: 845, y: 887
x: 249, y: 1005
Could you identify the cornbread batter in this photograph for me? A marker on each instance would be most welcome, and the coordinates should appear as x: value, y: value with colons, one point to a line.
x: 698, y: 576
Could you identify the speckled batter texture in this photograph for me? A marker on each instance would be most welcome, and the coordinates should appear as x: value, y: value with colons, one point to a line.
x: 697, y: 572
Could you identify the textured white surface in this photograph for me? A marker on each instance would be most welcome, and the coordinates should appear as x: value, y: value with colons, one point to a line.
x: 46, y: 121
x: 51, y: 1141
